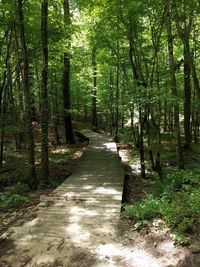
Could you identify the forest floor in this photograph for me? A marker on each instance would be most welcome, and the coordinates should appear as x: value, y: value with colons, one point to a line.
x: 151, y: 246
x: 155, y: 239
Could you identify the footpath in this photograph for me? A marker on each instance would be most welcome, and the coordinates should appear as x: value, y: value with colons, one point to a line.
x: 75, y: 225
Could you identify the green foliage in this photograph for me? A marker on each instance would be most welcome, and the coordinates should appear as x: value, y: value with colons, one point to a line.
x: 19, y: 188
x: 179, y: 239
x: 176, y: 198
x: 180, y: 197
x: 183, y: 210
x: 126, y: 135
x: 175, y: 181
x: 14, y: 196
x: 147, y: 209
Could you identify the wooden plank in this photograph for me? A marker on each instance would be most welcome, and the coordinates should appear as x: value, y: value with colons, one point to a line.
x: 81, y: 214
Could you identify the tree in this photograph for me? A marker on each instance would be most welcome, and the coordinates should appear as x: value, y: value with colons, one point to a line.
x: 94, y: 90
x: 66, y: 79
x: 44, y: 95
x: 172, y: 71
x: 26, y: 87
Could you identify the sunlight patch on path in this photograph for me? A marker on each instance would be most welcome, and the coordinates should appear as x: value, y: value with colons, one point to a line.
x: 76, y: 225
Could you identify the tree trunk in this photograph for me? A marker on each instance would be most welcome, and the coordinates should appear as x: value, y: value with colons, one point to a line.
x: 141, y: 142
x: 117, y: 106
x: 26, y: 87
x: 184, y: 36
x: 3, y: 113
x: 187, y: 102
x: 94, y: 91
x: 193, y: 70
x: 44, y: 95
x: 55, y: 108
x: 140, y: 83
x: 3, y: 97
x: 173, y: 86
x: 66, y: 81
x: 111, y: 117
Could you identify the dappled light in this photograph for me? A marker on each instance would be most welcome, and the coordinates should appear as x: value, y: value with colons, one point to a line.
x: 106, y: 191
x: 136, y: 257
x: 81, y: 216
x: 60, y: 150
x: 110, y: 146
x: 166, y: 246
x: 99, y: 133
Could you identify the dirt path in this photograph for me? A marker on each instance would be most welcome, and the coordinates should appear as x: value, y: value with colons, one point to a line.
x: 76, y: 225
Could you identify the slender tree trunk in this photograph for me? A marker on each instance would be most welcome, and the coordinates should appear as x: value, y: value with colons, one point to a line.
x: 140, y: 83
x: 189, y: 67
x: 173, y: 86
x: 123, y: 105
x: 44, y: 95
x: 141, y: 140
x: 117, y: 106
x: 165, y: 116
x: 196, y: 126
x: 3, y: 97
x: 111, y: 117
x: 66, y: 81
x: 184, y: 36
x: 13, y: 108
x: 18, y: 83
x: 193, y: 69
x: 26, y: 87
x: 94, y: 91
x: 55, y: 109
x: 187, y: 102
x: 158, y: 126
x: 3, y: 113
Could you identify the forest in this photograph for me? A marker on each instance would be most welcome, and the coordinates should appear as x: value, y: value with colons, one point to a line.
x: 127, y: 69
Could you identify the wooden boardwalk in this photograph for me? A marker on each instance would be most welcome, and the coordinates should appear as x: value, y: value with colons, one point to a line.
x: 72, y: 226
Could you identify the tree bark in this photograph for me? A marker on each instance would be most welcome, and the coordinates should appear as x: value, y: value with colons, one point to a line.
x: 140, y: 83
x: 55, y: 108
x: 26, y: 87
x: 117, y: 105
x: 44, y: 95
x: 94, y: 91
x: 187, y: 102
x: 184, y: 36
x: 3, y: 113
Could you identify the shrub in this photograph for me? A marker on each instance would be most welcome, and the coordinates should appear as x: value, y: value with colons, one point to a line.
x: 176, y: 198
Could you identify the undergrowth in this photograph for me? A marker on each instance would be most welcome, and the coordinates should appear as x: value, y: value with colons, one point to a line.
x: 14, y: 195
x: 176, y: 199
